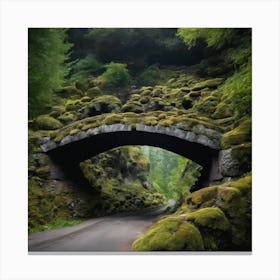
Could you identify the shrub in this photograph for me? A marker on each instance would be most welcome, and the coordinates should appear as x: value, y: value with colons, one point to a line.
x: 150, y: 76
x: 116, y: 75
x: 85, y: 67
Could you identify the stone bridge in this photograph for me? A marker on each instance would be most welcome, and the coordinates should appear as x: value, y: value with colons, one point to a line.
x: 181, y: 134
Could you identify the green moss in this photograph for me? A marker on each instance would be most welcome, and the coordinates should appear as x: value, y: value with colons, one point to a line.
x: 166, y: 122
x: 73, y: 105
x: 243, y: 154
x: 209, y: 217
x: 67, y: 118
x: 244, y: 184
x: 132, y: 106
x: 223, y: 110
x: 157, y: 92
x: 85, y: 99
x: 113, y: 118
x: 144, y: 100
x: 70, y: 92
x: 74, y: 131
x: 150, y: 121
x: 110, y: 100
x: 170, y: 234
x: 46, y: 122
x: 212, y: 84
x: 94, y: 92
x: 146, y: 88
x: 57, y: 111
x: 207, y: 105
x: 205, y: 197
x: 238, y: 135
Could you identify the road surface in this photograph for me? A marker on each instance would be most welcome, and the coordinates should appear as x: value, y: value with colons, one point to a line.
x: 114, y: 233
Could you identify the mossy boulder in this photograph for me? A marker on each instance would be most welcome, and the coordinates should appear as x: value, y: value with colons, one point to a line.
x: 73, y: 105
x: 56, y: 111
x: 170, y: 234
x: 67, y: 117
x: 211, y: 84
x: 210, y: 217
x: 101, y: 105
x: 132, y: 106
x: 214, y: 227
x: 238, y: 135
x: 47, y: 122
x: 234, y: 199
x: 94, y: 92
x: 70, y: 92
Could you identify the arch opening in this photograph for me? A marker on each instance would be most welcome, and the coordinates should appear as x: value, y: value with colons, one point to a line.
x: 65, y: 159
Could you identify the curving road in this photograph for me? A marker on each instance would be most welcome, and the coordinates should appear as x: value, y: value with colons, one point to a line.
x: 113, y: 233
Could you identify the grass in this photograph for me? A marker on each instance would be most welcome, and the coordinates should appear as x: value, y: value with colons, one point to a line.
x: 60, y: 223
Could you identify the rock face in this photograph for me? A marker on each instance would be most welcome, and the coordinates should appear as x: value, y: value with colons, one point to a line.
x: 215, y: 218
x: 228, y: 165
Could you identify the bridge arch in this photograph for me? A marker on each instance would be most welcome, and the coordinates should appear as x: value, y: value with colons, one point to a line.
x: 72, y: 149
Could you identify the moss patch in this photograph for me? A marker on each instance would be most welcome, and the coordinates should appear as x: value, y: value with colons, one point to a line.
x: 212, y: 84
x: 94, y: 92
x: 170, y: 234
x: 238, y: 135
x: 46, y: 122
x: 211, y: 217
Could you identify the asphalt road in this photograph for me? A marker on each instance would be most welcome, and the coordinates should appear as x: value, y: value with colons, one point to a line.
x: 107, y: 234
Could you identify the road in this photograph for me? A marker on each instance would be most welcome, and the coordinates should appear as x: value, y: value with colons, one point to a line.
x: 113, y: 233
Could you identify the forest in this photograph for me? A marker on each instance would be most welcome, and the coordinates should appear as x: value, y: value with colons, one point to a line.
x: 126, y: 120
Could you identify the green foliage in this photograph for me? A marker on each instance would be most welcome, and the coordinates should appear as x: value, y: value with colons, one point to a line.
x: 85, y: 67
x: 171, y: 174
x: 150, y: 76
x: 214, y: 37
x: 47, y: 52
x: 137, y: 47
x: 116, y: 75
x: 56, y: 224
x: 239, y: 88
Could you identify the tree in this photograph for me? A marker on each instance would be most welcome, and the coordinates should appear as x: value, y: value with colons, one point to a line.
x: 47, y: 52
x: 172, y: 175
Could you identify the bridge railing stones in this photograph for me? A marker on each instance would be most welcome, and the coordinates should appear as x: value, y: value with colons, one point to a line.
x: 198, y: 134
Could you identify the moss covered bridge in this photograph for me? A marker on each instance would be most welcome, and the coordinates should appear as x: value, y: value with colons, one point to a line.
x: 179, y: 133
